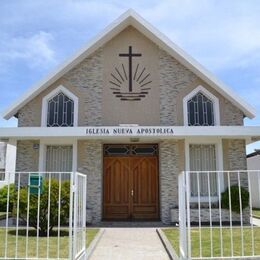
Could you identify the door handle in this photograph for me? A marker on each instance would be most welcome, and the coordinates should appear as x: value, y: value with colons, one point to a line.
x: 132, y: 193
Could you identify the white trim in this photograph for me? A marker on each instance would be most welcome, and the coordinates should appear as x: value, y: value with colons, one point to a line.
x: 132, y: 18
x: 240, y: 132
x: 10, y: 162
x: 66, y: 92
x: 209, y: 95
x: 58, y: 141
x: 219, y: 161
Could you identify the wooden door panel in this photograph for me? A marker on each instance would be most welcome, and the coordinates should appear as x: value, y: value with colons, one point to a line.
x: 145, y: 187
x: 116, y: 188
x: 130, y: 186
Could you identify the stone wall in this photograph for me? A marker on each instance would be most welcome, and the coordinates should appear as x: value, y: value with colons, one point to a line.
x: 173, y: 78
x: 171, y: 158
x: 204, y: 216
x: 85, y: 81
x: 176, y: 81
x: 234, y: 159
x: 90, y: 163
x: 27, y: 159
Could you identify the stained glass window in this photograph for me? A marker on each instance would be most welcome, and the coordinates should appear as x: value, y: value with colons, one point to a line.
x: 60, y: 111
x: 200, y: 111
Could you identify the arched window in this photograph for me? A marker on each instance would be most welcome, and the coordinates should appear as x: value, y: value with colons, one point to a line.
x: 60, y: 111
x: 201, y: 108
x: 200, y: 111
x: 60, y: 108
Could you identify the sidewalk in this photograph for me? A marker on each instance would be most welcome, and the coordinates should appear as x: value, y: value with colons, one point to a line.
x: 129, y: 244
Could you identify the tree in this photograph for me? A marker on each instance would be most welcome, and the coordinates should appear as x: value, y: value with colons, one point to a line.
x: 4, y: 195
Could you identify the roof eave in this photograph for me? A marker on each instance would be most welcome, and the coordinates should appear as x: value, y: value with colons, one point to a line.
x: 131, y: 18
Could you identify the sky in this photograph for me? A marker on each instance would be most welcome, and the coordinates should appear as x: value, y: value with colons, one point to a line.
x: 37, y: 36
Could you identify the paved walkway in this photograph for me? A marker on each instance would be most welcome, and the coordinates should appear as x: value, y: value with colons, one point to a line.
x: 129, y: 244
x: 256, y: 221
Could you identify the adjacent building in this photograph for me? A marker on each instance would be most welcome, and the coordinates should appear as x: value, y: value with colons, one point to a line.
x: 253, y: 164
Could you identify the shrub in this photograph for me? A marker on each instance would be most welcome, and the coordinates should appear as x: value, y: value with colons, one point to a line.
x: 43, y: 212
x: 235, y: 203
x: 3, y: 197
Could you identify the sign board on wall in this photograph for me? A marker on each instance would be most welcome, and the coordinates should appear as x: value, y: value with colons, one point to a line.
x: 129, y: 131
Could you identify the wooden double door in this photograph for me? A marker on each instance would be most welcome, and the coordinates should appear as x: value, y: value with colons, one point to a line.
x: 130, y: 185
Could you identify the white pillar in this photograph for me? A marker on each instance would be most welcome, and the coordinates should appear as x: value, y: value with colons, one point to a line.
x: 182, y: 216
x: 10, y: 162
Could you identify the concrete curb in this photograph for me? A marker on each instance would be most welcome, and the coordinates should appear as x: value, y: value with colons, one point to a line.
x: 167, y: 245
x: 94, y: 243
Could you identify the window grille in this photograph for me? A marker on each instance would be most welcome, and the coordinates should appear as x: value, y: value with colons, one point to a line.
x: 59, y: 158
x: 131, y: 150
x: 200, y: 111
x: 60, y: 111
x: 203, y: 158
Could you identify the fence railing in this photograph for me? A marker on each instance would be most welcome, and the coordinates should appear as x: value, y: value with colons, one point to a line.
x: 79, y: 229
x: 38, y: 215
x: 216, y: 214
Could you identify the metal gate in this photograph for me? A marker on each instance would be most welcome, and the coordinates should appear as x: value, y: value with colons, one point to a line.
x: 79, y: 223
x: 221, y: 224
x: 43, y: 216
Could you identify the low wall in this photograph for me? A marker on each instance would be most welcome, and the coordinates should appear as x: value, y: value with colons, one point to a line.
x: 205, y: 215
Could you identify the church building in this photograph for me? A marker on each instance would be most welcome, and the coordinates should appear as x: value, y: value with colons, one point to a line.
x: 131, y: 110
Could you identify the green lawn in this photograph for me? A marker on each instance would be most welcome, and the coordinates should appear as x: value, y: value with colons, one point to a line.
x: 256, y: 213
x: 173, y: 236
x: 32, y: 242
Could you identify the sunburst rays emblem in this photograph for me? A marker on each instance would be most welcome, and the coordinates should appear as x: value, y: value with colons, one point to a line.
x: 131, y: 86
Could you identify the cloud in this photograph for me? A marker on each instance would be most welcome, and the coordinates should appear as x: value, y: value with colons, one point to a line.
x: 34, y: 50
x: 220, y: 34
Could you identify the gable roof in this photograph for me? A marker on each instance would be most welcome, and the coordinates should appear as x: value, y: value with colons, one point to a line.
x: 255, y: 153
x: 130, y: 17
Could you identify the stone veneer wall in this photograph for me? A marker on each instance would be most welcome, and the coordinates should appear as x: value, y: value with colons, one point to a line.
x: 204, y: 215
x: 27, y: 159
x: 173, y: 77
x: 85, y: 81
x: 90, y: 161
x: 170, y: 166
x: 234, y: 158
x: 87, y: 77
x: 176, y: 81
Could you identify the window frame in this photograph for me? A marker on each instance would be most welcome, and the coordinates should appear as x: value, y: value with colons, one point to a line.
x: 57, y: 141
x: 219, y: 163
x: 53, y: 93
x: 210, y: 96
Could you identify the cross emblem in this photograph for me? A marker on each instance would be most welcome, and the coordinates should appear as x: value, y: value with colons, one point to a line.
x: 131, y: 86
x: 130, y: 55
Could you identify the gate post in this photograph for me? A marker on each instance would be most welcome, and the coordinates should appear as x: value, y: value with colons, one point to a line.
x: 72, y: 188
x: 182, y: 216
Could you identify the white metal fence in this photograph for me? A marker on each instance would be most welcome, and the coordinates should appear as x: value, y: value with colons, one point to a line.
x: 221, y: 224
x: 79, y: 229
x: 43, y: 216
